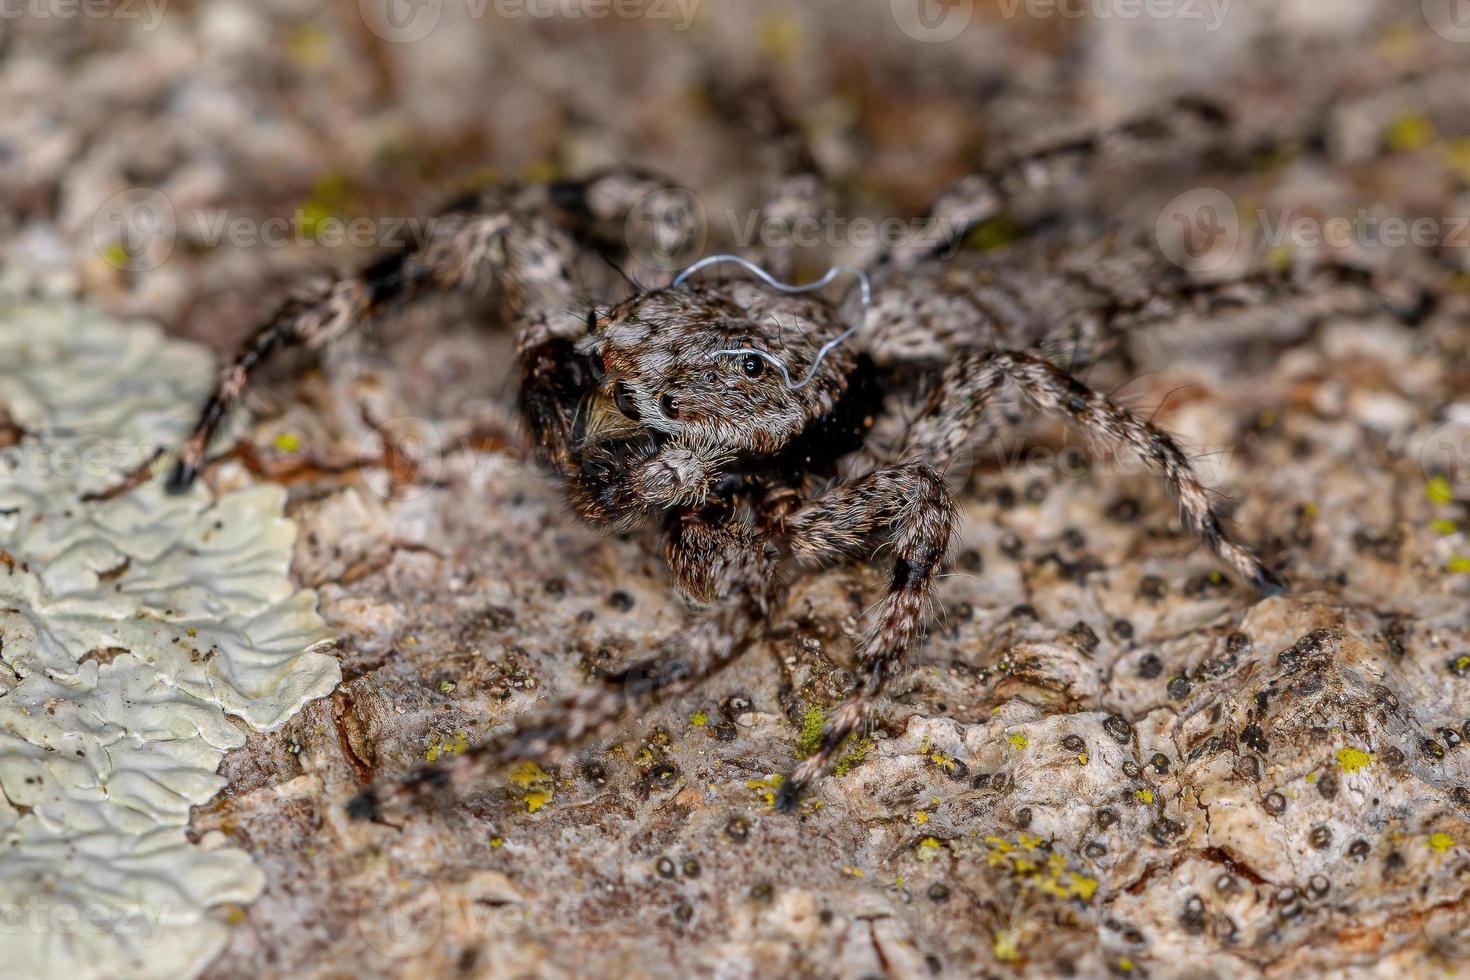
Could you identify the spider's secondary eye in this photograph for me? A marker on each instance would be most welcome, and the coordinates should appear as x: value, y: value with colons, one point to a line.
x: 753, y: 366
x: 599, y: 367
x: 623, y: 398
x: 591, y: 321
x: 668, y: 406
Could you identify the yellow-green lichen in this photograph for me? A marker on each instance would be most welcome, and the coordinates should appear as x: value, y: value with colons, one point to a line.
x: 1005, y: 946
x: 1439, y: 491
x: 1036, y: 868
x: 809, y: 740
x: 441, y: 746
x: 1441, y: 841
x: 1352, y: 759
x: 699, y: 719
x: 535, y: 785
x: 1408, y: 133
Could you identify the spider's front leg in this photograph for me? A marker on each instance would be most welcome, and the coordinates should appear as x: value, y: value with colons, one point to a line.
x: 906, y: 507
x: 520, y: 241
x: 958, y: 406
x: 709, y: 560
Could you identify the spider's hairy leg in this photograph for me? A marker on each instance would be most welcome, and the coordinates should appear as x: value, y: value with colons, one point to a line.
x: 906, y: 507
x: 1186, y: 123
x: 710, y: 560
x: 966, y: 387
x: 457, y: 253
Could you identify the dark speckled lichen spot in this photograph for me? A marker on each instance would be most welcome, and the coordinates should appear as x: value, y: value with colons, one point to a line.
x: 1132, y: 769
x: 1105, y: 817
x: 1274, y: 804
x: 1074, y: 743
x: 1153, y: 588
x: 620, y: 601
x: 691, y: 868
x: 1125, y: 511
x: 1179, y: 688
x: 1449, y: 737
x: 1358, y: 849
x: 1320, y: 838
x: 1248, y: 767
x: 1117, y: 726
x: 938, y: 892
x: 1150, y: 666
x: 1159, y: 762
x: 1095, y: 850
x: 665, y: 867
x: 1318, y: 886
x: 1431, y: 749
x: 1084, y: 636
x: 1164, y: 831
x: 1192, y: 919
x: 1253, y: 738
x: 663, y: 775
x: 738, y: 830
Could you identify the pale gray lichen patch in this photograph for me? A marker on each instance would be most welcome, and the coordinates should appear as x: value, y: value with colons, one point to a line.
x: 131, y: 625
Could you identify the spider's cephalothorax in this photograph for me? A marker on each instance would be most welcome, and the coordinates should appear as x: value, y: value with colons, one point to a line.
x: 662, y: 410
x: 731, y: 415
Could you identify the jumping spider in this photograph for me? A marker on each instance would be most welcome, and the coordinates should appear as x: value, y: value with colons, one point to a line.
x: 733, y: 415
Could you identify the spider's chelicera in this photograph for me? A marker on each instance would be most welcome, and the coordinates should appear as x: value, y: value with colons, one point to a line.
x: 733, y: 415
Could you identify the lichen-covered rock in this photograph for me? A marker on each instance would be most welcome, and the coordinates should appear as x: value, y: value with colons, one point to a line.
x: 131, y: 624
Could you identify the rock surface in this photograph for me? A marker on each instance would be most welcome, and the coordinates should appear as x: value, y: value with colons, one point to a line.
x: 1107, y: 758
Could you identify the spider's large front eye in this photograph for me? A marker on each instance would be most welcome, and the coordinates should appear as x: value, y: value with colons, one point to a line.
x: 669, y: 406
x: 599, y: 367
x: 623, y: 398
x: 753, y: 366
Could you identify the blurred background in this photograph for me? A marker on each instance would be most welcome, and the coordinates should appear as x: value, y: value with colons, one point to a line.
x: 246, y: 134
